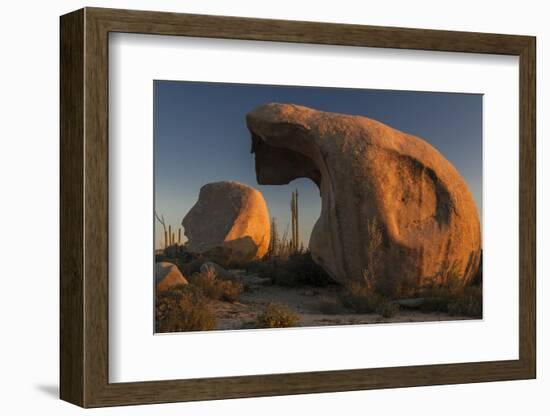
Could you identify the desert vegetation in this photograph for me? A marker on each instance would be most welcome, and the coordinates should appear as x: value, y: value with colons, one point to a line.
x: 277, y: 316
x: 183, y: 308
x: 169, y: 236
x: 217, y: 288
x: 292, y: 290
x: 287, y: 288
x: 454, y: 298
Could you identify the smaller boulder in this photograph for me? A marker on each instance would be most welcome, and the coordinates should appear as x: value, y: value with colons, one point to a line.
x: 228, y: 224
x: 167, y: 275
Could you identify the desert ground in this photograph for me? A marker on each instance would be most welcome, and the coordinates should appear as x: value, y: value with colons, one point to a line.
x: 315, y: 306
x: 289, y: 292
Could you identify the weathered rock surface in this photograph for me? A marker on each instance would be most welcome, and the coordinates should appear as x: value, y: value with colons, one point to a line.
x: 168, y: 275
x: 229, y: 223
x: 372, y: 179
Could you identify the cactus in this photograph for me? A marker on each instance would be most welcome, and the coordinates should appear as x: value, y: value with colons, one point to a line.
x: 169, y: 235
x: 293, y: 213
x: 295, y: 241
x: 274, y: 239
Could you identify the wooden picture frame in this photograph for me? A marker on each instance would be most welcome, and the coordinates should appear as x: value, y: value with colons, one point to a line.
x: 84, y: 207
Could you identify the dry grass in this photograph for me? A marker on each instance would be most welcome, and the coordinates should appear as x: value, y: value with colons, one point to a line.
x: 277, y: 316
x: 388, y: 309
x: 183, y: 308
x: 469, y: 303
x: 361, y: 298
x: 450, y: 295
x: 454, y: 298
x: 215, y: 288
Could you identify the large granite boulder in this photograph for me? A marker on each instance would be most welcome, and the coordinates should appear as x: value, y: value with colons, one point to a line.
x: 167, y: 275
x: 394, y: 210
x: 228, y: 224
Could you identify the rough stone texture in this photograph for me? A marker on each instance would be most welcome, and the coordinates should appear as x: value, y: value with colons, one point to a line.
x: 229, y: 223
x: 168, y: 275
x: 370, y: 173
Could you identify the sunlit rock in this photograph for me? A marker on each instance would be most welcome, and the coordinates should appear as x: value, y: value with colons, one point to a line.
x: 394, y: 210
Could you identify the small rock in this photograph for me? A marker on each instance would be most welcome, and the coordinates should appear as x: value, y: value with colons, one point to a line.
x: 168, y: 275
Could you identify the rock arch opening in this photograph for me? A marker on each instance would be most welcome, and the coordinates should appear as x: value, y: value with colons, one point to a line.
x: 367, y: 171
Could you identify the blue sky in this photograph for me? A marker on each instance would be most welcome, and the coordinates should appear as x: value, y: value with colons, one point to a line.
x: 200, y: 136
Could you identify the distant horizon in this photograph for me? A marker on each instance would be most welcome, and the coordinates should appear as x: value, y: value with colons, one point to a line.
x: 200, y: 136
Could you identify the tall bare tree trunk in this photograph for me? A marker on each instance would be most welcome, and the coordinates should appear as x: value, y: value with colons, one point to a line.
x: 161, y: 220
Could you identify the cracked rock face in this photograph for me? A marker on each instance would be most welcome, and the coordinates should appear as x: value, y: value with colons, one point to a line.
x: 229, y: 223
x: 376, y: 183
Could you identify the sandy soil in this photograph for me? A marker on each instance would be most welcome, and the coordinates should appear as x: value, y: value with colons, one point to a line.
x: 311, y: 304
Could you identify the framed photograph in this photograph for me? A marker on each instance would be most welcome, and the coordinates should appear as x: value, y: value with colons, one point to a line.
x: 256, y: 207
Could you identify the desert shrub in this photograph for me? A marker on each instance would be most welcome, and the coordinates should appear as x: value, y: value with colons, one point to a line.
x: 448, y: 283
x: 435, y: 304
x: 452, y: 282
x: 232, y: 290
x: 297, y: 270
x: 455, y: 299
x: 216, y: 288
x: 182, y: 308
x: 438, y: 296
x: 369, y: 280
x: 330, y: 306
x: 405, y: 288
x: 361, y: 298
x: 469, y: 303
x: 388, y: 309
x: 277, y: 316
